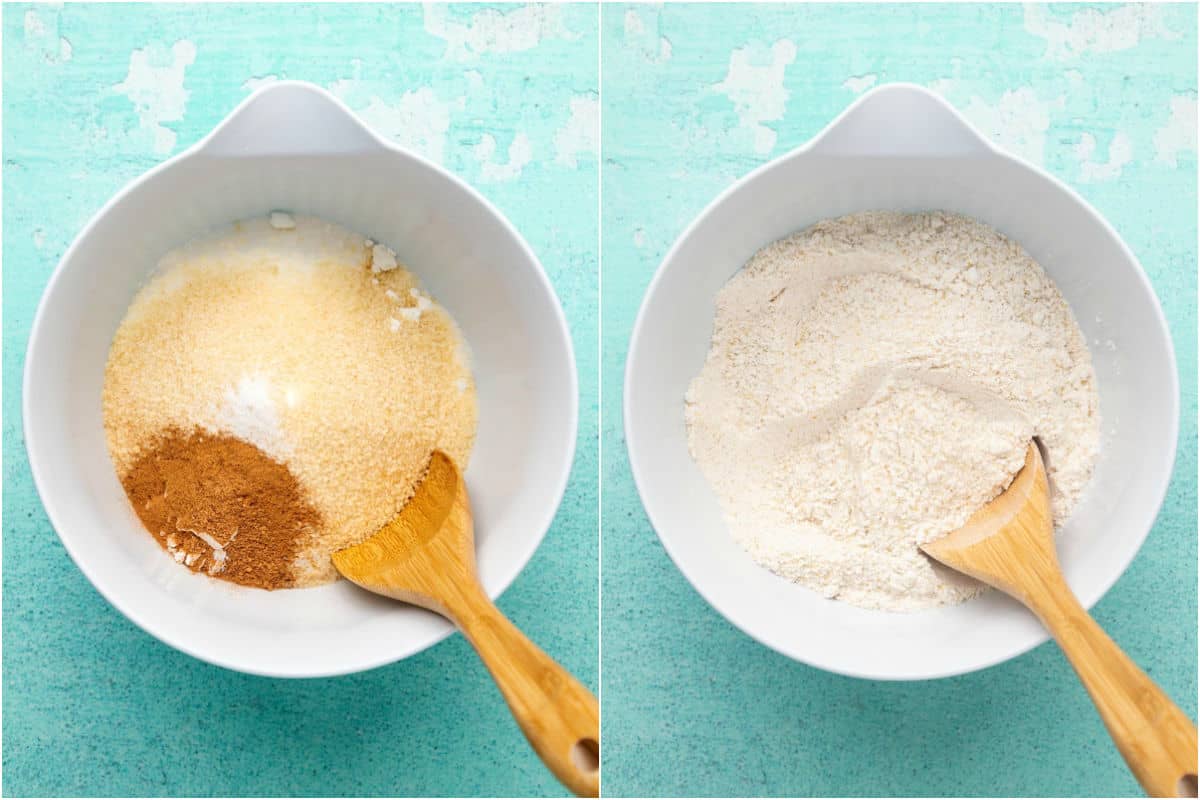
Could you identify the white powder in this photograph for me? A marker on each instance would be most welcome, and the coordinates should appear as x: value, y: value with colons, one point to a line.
x: 873, y: 381
x: 282, y: 221
x: 248, y: 412
x: 383, y: 258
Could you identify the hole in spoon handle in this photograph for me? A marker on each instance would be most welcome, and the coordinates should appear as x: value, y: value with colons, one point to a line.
x: 1186, y: 786
x: 585, y: 755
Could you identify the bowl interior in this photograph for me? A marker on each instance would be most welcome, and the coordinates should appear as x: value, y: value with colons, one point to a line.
x: 1116, y: 310
x: 471, y: 261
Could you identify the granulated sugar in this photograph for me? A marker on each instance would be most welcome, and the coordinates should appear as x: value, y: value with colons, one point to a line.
x: 291, y: 334
x: 873, y: 381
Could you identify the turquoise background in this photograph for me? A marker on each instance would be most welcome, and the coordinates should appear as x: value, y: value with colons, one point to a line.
x: 94, y: 706
x: 691, y: 705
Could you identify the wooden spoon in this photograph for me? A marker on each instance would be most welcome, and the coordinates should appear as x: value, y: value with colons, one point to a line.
x: 426, y: 556
x: 1009, y: 544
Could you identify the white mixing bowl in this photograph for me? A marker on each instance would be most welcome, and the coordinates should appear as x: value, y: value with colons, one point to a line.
x: 902, y: 148
x: 293, y: 146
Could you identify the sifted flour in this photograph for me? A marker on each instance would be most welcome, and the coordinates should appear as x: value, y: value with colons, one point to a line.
x: 872, y: 381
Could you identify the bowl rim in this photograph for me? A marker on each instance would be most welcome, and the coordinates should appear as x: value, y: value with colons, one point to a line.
x: 746, y: 622
x: 177, y: 638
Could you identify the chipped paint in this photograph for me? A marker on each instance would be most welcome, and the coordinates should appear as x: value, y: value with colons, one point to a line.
x: 645, y: 36
x: 1120, y: 153
x: 419, y: 119
x: 1017, y: 122
x: 1179, y: 134
x: 250, y: 84
x: 757, y: 89
x: 1091, y: 30
x: 154, y: 84
x: 34, y: 27
x: 580, y: 134
x: 633, y: 24
x: 494, y: 31
x: 860, y: 83
x: 520, y: 153
x: 42, y: 36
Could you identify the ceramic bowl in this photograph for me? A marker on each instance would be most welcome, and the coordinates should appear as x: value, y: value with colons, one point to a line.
x: 902, y: 148
x: 293, y: 146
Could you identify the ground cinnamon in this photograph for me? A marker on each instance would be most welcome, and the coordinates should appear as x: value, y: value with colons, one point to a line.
x: 221, y: 506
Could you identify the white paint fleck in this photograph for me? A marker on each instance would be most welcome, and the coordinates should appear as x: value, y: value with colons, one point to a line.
x: 860, y: 83
x: 520, y: 153
x: 633, y: 23
x: 757, y: 90
x: 642, y: 34
x: 639, y: 237
x: 393, y: 324
x: 419, y: 120
x: 1017, y: 122
x: 250, y: 84
x: 1120, y: 153
x: 39, y: 238
x: 411, y: 314
x: 581, y: 132
x: 34, y: 27
x: 1090, y: 30
x: 1179, y: 134
x: 943, y: 86
x: 154, y: 85
x: 43, y: 37
x: 495, y: 31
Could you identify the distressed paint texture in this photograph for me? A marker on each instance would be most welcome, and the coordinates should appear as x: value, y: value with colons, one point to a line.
x: 1103, y: 97
x: 93, y: 97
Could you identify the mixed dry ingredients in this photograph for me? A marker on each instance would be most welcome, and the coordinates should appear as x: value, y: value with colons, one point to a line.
x: 872, y: 382
x: 274, y: 394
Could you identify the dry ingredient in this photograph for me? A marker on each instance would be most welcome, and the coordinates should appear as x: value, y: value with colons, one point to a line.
x: 304, y: 350
x: 219, y: 505
x: 872, y: 381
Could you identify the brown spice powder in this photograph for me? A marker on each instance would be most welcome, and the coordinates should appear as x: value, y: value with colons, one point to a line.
x: 221, y: 506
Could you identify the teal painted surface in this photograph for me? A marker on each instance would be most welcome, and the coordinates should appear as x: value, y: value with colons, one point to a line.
x: 94, y: 706
x: 691, y: 705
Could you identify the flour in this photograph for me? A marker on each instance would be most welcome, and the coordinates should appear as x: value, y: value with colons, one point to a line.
x: 248, y: 413
x: 874, y: 380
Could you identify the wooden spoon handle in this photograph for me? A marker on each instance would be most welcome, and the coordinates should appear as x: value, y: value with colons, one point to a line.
x: 1156, y: 738
x: 557, y: 713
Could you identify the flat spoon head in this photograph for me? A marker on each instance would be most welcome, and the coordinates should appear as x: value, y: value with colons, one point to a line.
x: 1009, y: 544
x: 426, y: 556
x: 1013, y: 528
x: 426, y: 550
